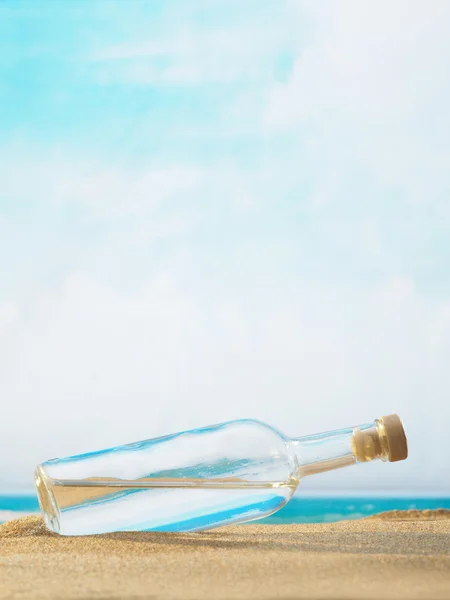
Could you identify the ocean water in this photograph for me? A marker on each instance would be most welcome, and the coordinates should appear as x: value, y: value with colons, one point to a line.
x: 301, y: 509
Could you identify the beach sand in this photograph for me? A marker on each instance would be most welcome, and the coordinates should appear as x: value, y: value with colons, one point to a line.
x: 399, y: 555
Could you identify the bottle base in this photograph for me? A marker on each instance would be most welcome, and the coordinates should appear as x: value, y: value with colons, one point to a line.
x: 47, y: 500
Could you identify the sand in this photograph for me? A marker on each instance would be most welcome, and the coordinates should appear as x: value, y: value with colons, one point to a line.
x: 401, y: 555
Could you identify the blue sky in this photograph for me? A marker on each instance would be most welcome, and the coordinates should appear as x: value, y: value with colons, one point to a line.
x: 211, y: 210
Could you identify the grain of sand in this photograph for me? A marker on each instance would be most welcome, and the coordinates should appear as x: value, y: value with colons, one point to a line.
x: 399, y: 555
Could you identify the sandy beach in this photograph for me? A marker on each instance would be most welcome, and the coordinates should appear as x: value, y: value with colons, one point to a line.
x: 393, y: 556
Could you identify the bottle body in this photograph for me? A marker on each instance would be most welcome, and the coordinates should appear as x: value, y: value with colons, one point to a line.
x: 194, y: 480
x: 227, y: 473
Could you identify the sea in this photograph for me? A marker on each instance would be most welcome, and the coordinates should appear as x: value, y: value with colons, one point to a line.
x: 301, y: 509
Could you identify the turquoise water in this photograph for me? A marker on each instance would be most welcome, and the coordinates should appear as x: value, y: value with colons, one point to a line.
x: 298, y: 510
x: 329, y: 509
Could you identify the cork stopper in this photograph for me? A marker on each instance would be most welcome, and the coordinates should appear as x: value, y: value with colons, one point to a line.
x: 397, y: 444
x: 385, y: 440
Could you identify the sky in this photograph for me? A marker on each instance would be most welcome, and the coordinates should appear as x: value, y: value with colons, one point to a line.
x: 212, y: 210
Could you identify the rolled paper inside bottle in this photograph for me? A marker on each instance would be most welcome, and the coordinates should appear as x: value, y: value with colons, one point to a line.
x: 366, y: 444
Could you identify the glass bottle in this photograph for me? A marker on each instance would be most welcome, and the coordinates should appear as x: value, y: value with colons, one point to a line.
x: 194, y: 480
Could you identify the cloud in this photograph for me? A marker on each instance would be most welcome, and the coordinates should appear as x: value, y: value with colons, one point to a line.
x: 369, y: 93
x: 361, y: 63
x: 105, y: 191
x: 185, y: 51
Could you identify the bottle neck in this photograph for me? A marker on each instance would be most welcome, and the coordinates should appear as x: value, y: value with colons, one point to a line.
x: 335, y: 449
